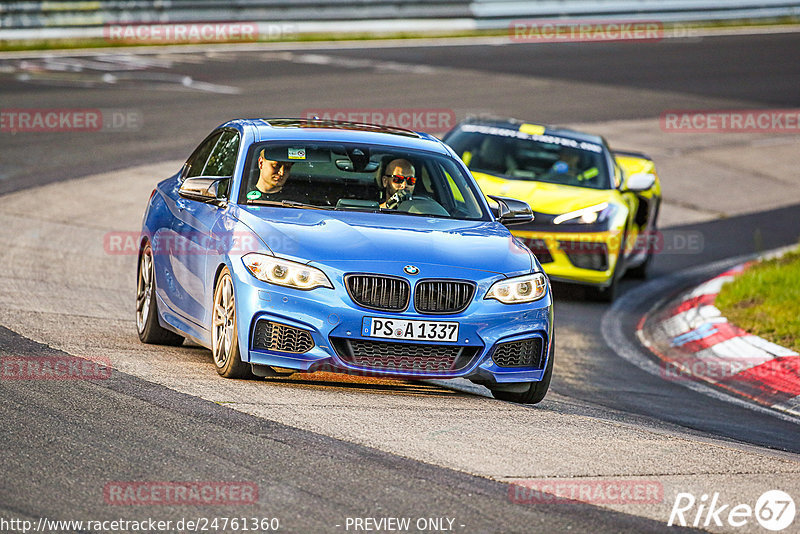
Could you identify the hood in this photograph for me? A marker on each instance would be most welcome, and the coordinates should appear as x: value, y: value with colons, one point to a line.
x: 348, y: 238
x: 553, y: 199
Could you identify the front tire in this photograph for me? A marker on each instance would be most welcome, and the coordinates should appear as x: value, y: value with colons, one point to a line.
x: 147, y: 325
x: 640, y: 272
x: 609, y: 293
x: 536, y: 391
x: 224, y: 331
x: 604, y: 294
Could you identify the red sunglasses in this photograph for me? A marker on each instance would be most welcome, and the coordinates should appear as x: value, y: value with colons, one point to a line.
x: 396, y: 178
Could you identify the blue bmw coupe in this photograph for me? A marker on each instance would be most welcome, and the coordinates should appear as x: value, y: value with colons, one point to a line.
x: 288, y: 245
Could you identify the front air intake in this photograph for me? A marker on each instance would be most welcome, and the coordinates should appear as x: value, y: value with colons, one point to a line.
x: 524, y: 353
x: 388, y: 356
x: 279, y: 337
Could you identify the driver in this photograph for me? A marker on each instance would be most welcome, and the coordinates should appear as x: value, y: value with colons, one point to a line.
x: 569, y: 162
x: 272, y: 178
x: 398, y: 183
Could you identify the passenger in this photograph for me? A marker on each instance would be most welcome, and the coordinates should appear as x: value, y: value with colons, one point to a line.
x: 271, y: 179
x: 398, y: 183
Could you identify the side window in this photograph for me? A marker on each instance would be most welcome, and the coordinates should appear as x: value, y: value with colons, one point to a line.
x: 197, y: 161
x: 222, y: 160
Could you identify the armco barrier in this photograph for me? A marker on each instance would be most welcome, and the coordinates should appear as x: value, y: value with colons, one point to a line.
x: 498, y: 13
x: 25, y: 19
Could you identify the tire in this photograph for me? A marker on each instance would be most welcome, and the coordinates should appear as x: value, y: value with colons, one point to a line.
x: 640, y: 271
x: 536, y: 390
x: 608, y: 294
x: 604, y: 294
x: 147, y: 325
x: 224, y: 331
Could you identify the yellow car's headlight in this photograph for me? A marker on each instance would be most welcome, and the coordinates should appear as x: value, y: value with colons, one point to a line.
x: 590, y: 215
x: 284, y: 272
x: 519, y: 289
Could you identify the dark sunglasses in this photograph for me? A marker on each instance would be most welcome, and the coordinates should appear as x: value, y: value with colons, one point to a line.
x: 396, y: 178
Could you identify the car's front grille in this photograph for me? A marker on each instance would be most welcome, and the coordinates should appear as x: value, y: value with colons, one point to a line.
x: 406, y: 357
x: 281, y: 338
x: 524, y: 353
x: 378, y: 292
x: 443, y: 296
x: 586, y: 255
x: 539, y: 248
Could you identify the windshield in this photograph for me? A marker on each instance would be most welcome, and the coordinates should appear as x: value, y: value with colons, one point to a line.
x: 521, y: 156
x: 340, y: 176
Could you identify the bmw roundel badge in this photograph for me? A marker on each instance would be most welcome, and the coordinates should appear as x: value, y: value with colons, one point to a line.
x: 411, y: 269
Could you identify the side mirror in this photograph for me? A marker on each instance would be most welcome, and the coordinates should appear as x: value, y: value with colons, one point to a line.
x: 203, y: 189
x: 640, y: 181
x: 511, y: 211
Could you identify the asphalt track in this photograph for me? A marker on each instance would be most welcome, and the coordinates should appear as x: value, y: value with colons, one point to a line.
x: 64, y: 441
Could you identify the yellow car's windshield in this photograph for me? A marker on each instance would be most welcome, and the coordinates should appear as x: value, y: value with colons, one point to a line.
x: 519, y: 156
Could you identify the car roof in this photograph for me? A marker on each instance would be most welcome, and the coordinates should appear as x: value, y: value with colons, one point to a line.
x: 289, y: 129
x: 516, y: 125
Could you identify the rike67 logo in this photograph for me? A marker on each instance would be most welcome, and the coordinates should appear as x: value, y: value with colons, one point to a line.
x: 774, y: 510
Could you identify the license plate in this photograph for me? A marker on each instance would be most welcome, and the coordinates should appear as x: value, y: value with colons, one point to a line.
x: 412, y: 330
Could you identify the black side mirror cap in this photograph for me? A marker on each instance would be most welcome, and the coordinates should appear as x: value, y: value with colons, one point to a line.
x: 511, y: 211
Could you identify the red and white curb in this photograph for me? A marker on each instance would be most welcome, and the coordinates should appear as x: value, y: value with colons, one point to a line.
x: 695, y: 342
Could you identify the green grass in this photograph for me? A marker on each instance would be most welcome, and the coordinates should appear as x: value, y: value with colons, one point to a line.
x: 56, y: 44
x: 61, y: 44
x: 765, y: 300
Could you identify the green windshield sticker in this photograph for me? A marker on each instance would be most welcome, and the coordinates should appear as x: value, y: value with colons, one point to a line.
x: 253, y: 195
x: 588, y: 174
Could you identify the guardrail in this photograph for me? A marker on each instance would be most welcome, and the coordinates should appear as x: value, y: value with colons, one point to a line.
x: 21, y: 19
x: 497, y: 13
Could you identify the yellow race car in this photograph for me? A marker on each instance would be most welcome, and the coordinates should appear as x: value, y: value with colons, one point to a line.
x: 594, y: 209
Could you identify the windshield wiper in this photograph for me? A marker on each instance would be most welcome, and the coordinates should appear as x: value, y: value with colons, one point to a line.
x: 397, y: 212
x: 288, y: 204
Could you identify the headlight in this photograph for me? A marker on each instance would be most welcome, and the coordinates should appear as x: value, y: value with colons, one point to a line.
x: 284, y: 272
x: 589, y: 215
x: 519, y: 289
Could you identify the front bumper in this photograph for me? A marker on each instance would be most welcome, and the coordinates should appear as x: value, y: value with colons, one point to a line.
x: 331, y: 318
x: 588, y: 258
